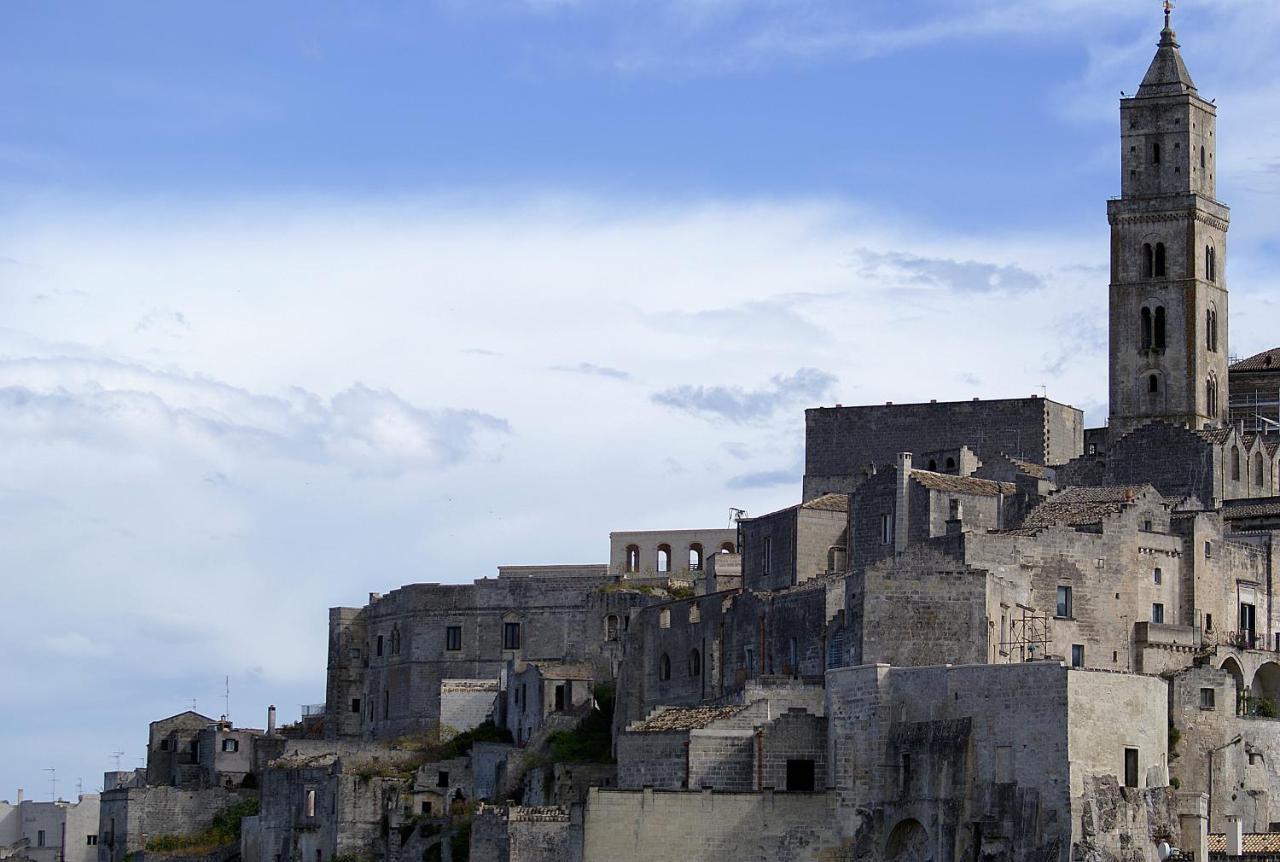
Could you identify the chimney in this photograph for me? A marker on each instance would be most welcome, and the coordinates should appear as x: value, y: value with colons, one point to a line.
x: 1235, y: 836
x: 902, y: 503
x: 19, y: 795
x: 271, y: 720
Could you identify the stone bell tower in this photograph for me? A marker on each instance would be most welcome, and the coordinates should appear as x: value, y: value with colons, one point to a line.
x: 1168, y: 356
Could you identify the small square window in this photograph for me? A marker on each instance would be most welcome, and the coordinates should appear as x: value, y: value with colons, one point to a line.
x: 453, y: 638
x: 231, y: 746
x: 442, y: 779
x: 1206, y: 698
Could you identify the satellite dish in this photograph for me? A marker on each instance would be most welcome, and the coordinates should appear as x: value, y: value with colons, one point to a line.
x: 1163, y: 850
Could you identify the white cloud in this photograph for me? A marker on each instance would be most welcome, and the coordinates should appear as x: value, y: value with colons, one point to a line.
x: 364, y: 400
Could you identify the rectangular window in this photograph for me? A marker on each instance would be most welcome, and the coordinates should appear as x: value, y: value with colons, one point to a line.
x: 559, y: 698
x: 386, y: 704
x: 1131, y: 767
x: 886, y: 529
x: 355, y: 652
x: 1064, y: 603
x: 1208, y: 622
x: 379, y: 649
x: 800, y: 776
x: 1157, y: 576
x: 91, y: 840
x: 426, y: 806
x: 230, y: 746
x: 1077, y: 655
x: 40, y: 838
x: 453, y: 638
x: 768, y: 552
x: 355, y: 705
x: 1157, y: 612
x: 1208, y: 550
x: 1206, y: 698
x: 442, y: 779
x: 164, y: 745
x: 511, y: 636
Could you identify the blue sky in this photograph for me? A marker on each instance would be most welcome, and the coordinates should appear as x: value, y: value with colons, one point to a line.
x: 301, y: 301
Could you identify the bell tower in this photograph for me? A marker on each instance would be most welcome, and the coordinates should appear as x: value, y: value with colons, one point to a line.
x: 1168, y: 296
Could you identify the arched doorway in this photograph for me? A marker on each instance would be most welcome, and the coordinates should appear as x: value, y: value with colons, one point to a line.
x: 1265, y: 691
x: 1231, y: 666
x: 909, y: 842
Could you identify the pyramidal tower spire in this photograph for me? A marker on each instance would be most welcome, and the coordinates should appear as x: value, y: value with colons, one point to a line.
x: 1168, y: 295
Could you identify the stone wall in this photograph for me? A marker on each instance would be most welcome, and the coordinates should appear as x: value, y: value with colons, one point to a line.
x: 129, y: 817
x: 841, y: 442
x: 526, y: 834
x: 622, y: 826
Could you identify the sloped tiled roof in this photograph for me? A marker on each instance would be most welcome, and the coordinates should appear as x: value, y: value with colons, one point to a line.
x: 1252, y: 843
x: 962, y: 484
x: 1214, y: 435
x: 468, y: 685
x: 556, y: 670
x: 1039, y: 471
x: 829, y: 503
x: 1079, y: 507
x: 679, y: 718
x: 1267, y: 360
x: 1260, y: 508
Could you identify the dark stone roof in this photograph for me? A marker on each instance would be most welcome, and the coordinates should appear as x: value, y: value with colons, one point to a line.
x: 1081, y: 507
x: 1214, y: 435
x: 675, y: 719
x: 962, y: 484
x: 1167, y: 75
x: 1267, y: 360
x: 1261, y: 507
x: 829, y: 503
x: 1037, y: 471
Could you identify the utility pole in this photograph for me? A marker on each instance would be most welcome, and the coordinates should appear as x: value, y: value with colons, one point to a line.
x: 227, y: 697
x: 53, y: 782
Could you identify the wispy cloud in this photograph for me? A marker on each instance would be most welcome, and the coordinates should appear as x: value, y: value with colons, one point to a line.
x: 592, y: 370
x: 123, y: 406
x: 961, y: 276
x: 735, y: 404
x: 764, y: 479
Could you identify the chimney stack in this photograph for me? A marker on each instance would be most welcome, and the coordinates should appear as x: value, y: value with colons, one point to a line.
x: 271, y: 720
x: 902, y: 503
x: 1235, y: 836
x: 19, y: 795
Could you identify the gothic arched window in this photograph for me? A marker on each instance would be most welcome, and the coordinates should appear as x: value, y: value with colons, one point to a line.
x: 1211, y: 395
x: 1158, y: 340
x: 1210, y: 263
x: 1257, y: 470
x: 664, y: 668
x: 1146, y: 328
x: 1235, y: 464
x: 1159, y: 268
x: 695, y: 663
x: 1211, y: 329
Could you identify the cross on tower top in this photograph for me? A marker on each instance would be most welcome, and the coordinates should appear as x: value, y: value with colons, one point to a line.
x: 1168, y: 10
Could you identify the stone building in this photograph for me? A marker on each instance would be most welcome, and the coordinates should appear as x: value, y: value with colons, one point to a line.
x: 983, y: 632
x: 57, y: 831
